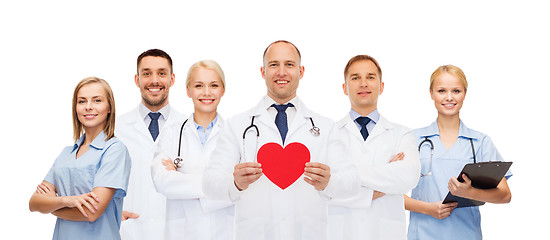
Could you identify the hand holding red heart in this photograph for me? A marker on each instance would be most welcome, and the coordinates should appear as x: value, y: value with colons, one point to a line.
x: 317, y: 174
x: 246, y: 173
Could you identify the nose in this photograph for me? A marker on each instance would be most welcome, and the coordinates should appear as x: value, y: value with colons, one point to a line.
x: 364, y: 82
x: 281, y: 72
x: 449, y: 96
x: 207, y: 90
x: 89, y: 105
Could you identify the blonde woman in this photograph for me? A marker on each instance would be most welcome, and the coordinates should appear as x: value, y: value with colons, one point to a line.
x: 454, y: 145
x: 88, y: 180
x: 189, y: 215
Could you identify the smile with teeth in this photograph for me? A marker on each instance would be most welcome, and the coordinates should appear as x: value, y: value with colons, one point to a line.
x: 449, y: 105
x: 206, y: 101
x: 282, y: 81
x: 89, y: 116
x: 154, y: 89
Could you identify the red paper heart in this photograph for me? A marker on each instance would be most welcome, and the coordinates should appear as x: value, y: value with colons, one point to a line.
x: 283, y: 166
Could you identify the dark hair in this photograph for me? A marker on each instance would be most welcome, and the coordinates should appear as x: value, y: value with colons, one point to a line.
x: 362, y: 58
x: 282, y: 41
x: 154, y: 53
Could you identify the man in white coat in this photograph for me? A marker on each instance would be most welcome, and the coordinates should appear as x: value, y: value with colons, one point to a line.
x: 280, y: 199
x: 144, y: 208
x: 385, y: 154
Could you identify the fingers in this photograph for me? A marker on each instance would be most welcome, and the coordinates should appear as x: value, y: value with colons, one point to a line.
x: 466, y: 179
x: 400, y: 156
x: 246, y: 173
x: 317, y: 165
x: 317, y: 174
x: 248, y: 165
x: 129, y: 215
x: 40, y: 189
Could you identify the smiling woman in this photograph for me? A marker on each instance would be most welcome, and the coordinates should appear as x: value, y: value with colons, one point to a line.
x: 87, y: 182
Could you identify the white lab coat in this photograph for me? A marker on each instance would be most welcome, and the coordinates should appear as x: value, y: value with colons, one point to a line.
x: 264, y: 211
x: 360, y: 217
x: 141, y: 197
x: 189, y: 215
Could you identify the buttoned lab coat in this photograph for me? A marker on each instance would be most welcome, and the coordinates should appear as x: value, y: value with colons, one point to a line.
x: 142, y: 198
x: 265, y: 211
x: 189, y: 215
x: 360, y: 217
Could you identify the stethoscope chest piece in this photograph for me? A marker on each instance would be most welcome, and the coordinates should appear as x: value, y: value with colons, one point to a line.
x: 315, y: 131
x: 178, y: 162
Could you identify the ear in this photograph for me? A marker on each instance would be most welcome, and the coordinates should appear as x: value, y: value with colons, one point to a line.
x: 223, y: 91
x: 172, y: 79
x: 345, y: 88
x: 432, y: 94
x: 262, y: 70
x: 136, y: 79
x: 381, y: 88
x: 188, y: 91
x: 302, y: 69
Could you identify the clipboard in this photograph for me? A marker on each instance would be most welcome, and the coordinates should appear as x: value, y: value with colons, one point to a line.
x: 484, y: 175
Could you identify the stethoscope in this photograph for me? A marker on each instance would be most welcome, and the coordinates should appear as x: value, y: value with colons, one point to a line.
x: 315, y: 131
x: 427, y: 140
x: 178, y: 161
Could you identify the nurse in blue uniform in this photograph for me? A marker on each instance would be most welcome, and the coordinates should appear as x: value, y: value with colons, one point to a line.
x: 452, y: 149
x: 88, y: 180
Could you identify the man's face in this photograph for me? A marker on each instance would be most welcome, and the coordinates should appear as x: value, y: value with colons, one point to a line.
x: 282, y: 72
x: 154, y: 79
x: 363, y: 86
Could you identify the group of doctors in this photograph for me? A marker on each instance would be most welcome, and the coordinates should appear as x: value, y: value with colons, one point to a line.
x: 202, y: 177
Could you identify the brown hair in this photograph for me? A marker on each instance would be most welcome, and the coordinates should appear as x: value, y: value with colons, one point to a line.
x: 109, y: 128
x: 362, y: 58
x: 155, y: 53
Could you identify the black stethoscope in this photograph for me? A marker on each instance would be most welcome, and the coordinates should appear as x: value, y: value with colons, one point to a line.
x: 315, y: 131
x: 427, y: 140
x: 178, y: 161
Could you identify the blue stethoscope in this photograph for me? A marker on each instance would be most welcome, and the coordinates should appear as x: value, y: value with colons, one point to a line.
x: 315, y: 131
x: 427, y: 140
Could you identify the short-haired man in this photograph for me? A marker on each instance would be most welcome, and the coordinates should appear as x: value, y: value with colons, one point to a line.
x: 144, y: 208
x: 273, y: 199
x: 385, y: 154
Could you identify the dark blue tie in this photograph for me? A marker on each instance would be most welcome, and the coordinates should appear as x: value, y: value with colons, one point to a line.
x: 280, y: 119
x: 363, y: 121
x: 154, y: 125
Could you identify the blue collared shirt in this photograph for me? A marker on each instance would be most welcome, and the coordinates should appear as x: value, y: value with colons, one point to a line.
x: 204, y: 133
x: 374, y: 118
x: 463, y: 223
x: 105, y: 164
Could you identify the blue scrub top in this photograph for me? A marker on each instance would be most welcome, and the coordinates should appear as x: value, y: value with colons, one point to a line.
x: 463, y: 223
x: 105, y: 164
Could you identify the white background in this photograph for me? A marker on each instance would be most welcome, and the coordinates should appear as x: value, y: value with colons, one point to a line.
x: 503, y: 47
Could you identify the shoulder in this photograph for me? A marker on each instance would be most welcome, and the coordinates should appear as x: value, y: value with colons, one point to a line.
x: 176, y: 116
x: 128, y: 117
x: 471, y: 133
x: 392, y: 125
x: 115, y: 144
x: 343, y: 121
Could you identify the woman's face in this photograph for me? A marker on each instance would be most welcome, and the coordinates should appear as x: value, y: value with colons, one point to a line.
x: 448, y: 93
x: 205, y: 89
x: 92, y: 107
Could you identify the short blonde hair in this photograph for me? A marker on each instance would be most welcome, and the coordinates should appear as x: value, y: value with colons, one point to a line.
x: 109, y: 128
x: 208, y: 64
x: 450, y: 69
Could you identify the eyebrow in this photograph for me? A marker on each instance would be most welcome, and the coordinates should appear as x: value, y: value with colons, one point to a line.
x: 357, y: 74
x: 149, y: 69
